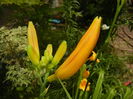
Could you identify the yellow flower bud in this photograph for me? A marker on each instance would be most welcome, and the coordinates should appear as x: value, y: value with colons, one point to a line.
x: 33, y: 55
x: 59, y: 53
x: 48, y: 52
x: 33, y: 41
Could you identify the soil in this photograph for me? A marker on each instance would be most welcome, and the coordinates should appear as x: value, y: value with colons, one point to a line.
x: 123, y: 42
x: 123, y: 47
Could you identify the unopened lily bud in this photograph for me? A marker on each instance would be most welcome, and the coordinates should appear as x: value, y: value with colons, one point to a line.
x: 44, y: 61
x: 33, y: 55
x: 86, y: 74
x: 48, y: 52
x: 32, y: 38
x: 60, y: 53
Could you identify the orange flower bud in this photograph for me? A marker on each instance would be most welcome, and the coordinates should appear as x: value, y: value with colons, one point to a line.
x: 86, y: 74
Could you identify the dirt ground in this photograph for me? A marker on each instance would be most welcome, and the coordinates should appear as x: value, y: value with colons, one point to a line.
x: 123, y: 47
x: 123, y: 41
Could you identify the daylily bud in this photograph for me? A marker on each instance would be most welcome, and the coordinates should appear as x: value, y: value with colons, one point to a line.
x: 32, y: 38
x: 44, y: 61
x: 59, y: 53
x: 86, y: 74
x: 48, y: 52
x: 33, y: 55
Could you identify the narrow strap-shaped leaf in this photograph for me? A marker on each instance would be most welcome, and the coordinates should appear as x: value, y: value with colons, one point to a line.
x: 128, y: 94
x: 67, y: 93
x: 79, y: 79
x: 98, y: 85
x: 111, y: 94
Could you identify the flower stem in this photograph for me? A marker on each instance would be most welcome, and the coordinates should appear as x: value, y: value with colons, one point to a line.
x: 120, y: 4
x: 67, y: 93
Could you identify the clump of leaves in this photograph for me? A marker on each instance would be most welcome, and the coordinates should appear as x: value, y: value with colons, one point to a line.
x: 126, y: 17
x: 19, y: 76
x: 30, y: 2
x: 109, y: 61
x: 12, y: 45
x: 13, y: 59
x: 71, y: 15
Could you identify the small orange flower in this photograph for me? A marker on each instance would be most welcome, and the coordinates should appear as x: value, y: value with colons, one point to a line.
x: 82, y: 85
x: 93, y: 57
x: 86, y: 74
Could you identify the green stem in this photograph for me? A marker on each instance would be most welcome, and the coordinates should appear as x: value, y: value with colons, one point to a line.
x: 79, y: 80
x: 39, y: 81
x: 111, y: 94
x: 43, y: 86
x: 86, y: 95
x: 67, y: 93
x: 81, y: 94
x: 118, y: 9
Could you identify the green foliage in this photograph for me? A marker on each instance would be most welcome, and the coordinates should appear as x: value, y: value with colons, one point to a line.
x: 39, y: 14
x: 128, y: 93
x: 101, y: 89
x: 67, y: 93
x: 71, y: 26
x: 98, y: 88
x: 109, y: 61
x: 20, y: 77
x: 126, y: 17
x: 93, y: 8
x: 13, y: 56
x: 18, y: 2
x: 129, y: 59
x: 120, y: 4
x: 12, y: 45
x: 111, y: 93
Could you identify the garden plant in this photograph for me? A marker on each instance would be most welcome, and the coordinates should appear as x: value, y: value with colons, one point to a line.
x: 57, y: 55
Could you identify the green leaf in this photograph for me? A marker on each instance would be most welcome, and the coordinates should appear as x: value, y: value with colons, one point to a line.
x: 112, y: 93
x: 98, y: 87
